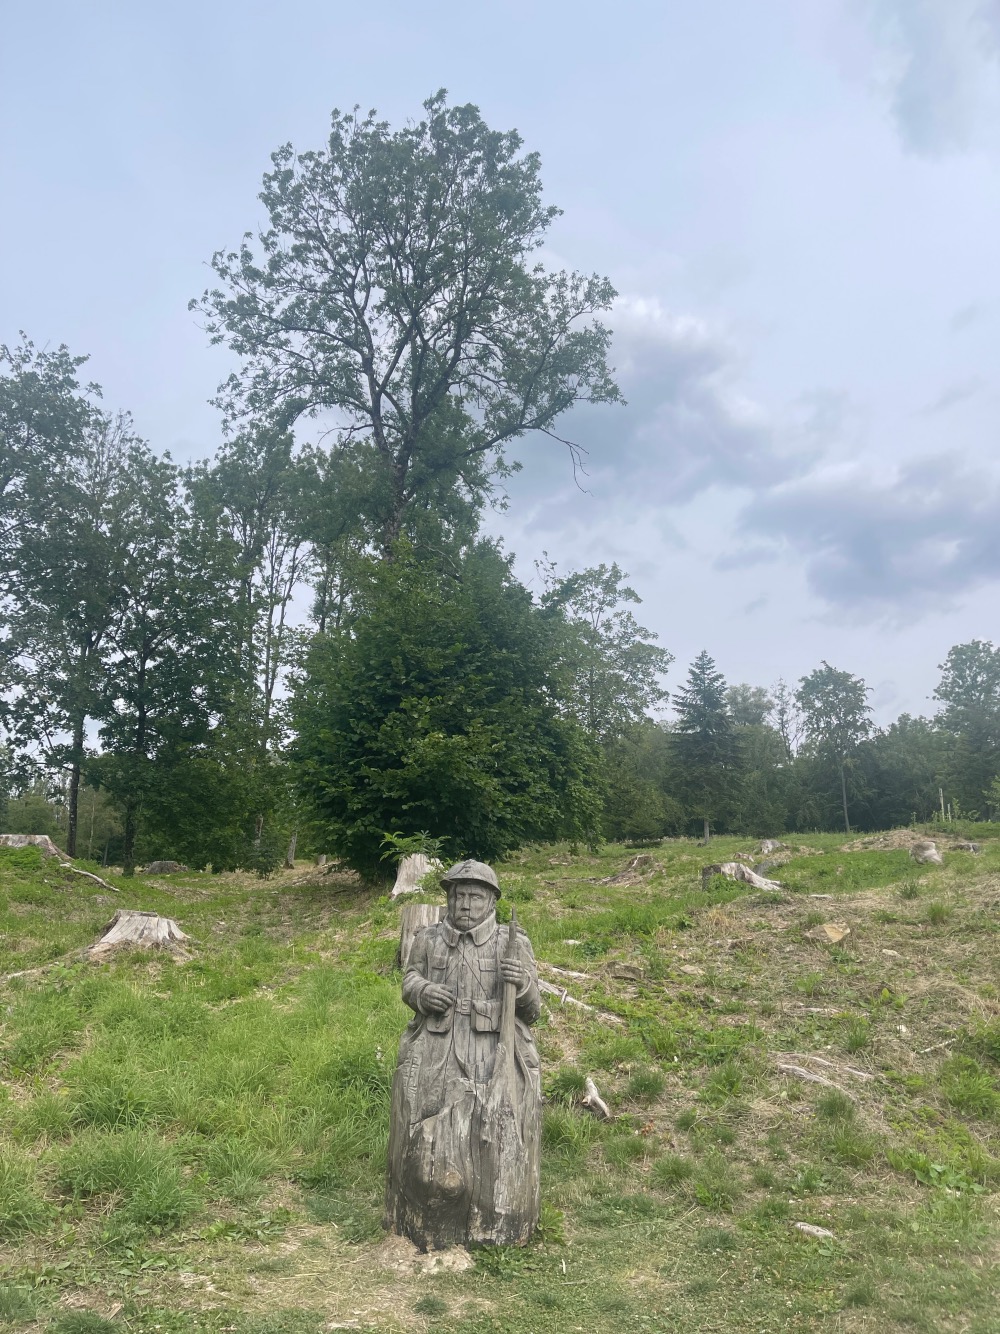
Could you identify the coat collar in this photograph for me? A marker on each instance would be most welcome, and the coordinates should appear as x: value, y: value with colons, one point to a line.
x: 479, y: 935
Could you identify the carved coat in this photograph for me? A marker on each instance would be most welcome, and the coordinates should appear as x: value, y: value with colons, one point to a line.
x: 445, y: 1180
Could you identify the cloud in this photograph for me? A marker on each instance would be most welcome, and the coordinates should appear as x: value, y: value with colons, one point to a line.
x: 966, y: 316
x: 915, y: 538
x: 690, y: 425
x: 953, y: 395
x: 936, y: 67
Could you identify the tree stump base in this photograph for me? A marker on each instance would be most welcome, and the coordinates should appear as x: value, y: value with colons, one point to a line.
x: 133, y: 929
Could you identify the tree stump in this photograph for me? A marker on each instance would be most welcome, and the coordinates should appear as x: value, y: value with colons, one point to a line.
x: 40, y: 841
x: 132, y: 929
x: 414, y: 917
x: 411, y: 871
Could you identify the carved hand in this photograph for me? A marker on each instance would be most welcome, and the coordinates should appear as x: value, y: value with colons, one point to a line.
x: 513, y: 971
x: 435, y: 998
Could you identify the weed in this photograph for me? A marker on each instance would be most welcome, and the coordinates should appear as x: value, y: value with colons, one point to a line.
x: 857, y: 1034
x: 716, y: 1239
x: 835, y: 1106
x: 723, y: 1084
x: 16, y: 1303
x: 846, y: 1143
x: 969, y: 1088
x: 644, y: 1085
x: 938, y: 913
x: 430, y: 1305
x: 82, y: 1322
x: 716, y: 1184
x: 672, y: 1169
x: 21, y: 1208
x: 811, y: 985
x: 909, y: 889
x: 566, y: 1086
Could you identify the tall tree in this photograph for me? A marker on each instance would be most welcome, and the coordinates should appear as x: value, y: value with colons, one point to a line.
x: 394, y: 291
x: 76, y: 531
x: 173, y: 648
x: 969, y: 691
x: 614, y: 666
x: 704, y: 742
x: 836, y: 718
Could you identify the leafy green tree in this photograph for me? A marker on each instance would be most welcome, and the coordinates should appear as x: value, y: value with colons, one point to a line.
x: 395, y: 291
x: 836, y: 719
x: 76, y: 532
x: 614, y: 667
x: 749, y: 706
x: 706, y: 748
x: 905, y: 763
x: 969, y: 691
x: 441, y: 709
x: 173, y: 646
x: 638, y: 806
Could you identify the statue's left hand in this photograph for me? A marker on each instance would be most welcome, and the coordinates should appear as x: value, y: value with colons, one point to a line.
x: 513, y: 971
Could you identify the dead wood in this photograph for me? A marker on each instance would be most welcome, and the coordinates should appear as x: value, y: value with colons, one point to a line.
x: 411, y: 871
x: 413, y: 919
x: 66, y: 866
x: 133, y: 929
x: 40, y: 841
x: 637, y: 869
x: 737, y: 871
x: 547, y: 989
x: 566, y: 972
x: 593, y: 1101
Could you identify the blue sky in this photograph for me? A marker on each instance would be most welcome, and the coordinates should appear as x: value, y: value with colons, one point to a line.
x: 799, y: 203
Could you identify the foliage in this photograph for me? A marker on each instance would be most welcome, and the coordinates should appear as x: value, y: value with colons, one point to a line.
x: 836, y: 718
x: 969, y: 690
x: 613, y: 666
x: 440, y: 710
x: 393, y: 286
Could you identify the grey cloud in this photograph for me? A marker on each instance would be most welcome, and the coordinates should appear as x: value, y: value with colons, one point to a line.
x: 920, y: 538
x: 965, y: 316
x: 935, y: 61
x: 953, y: 395
x: 688, y: 426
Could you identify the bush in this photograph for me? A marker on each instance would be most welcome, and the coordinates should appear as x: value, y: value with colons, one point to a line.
x: 441, y: 709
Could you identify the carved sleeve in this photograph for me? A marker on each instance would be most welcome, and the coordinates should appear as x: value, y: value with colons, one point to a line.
x: 417, y: 969
x: 529, y: 1000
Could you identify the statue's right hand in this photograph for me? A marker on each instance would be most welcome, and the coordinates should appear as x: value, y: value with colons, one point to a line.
x: 435, y: 998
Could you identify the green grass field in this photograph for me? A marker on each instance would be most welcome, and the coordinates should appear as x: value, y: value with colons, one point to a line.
x: 200, y: 1146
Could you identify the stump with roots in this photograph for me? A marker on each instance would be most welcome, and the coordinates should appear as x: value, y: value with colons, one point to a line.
x: 132, y: 929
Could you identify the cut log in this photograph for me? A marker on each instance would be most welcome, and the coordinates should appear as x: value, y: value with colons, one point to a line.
x: 413, y: 919
x: 411, y: 871
x: 165, y: 867
x: 637, y: 869
x: 925, y: 853
x: 737, y: 871
x: 132, y: 929
x: 593, y: 1101
x: 769, y: 845
x: 40, y: 841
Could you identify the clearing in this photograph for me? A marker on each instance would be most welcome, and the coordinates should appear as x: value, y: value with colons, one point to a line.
x: 199, y: 1146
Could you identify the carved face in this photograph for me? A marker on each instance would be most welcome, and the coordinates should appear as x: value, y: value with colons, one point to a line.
x: 469, y: 903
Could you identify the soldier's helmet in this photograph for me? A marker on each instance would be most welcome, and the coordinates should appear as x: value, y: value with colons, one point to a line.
x: 470, y: 870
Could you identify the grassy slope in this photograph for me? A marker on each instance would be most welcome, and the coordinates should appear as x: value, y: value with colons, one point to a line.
x: 200, y: 1146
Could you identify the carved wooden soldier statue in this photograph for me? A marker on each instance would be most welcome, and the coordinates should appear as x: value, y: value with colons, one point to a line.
x: 465, y: 1134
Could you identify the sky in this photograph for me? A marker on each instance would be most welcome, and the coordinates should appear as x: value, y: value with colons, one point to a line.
x: 799, y: 205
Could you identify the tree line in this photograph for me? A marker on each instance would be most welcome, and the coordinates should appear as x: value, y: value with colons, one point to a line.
x: 166, y: 692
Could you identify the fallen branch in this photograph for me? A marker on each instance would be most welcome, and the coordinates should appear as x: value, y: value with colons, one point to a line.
x: 811, y: 1230
x: 831, y: 1065
x: 948, y: 1042
x: 737, y: 871
x: 593, y: 1101
x: 566, y: 972
x: 802, y: 1073
x: 65, y: 866
x: 547, y: 989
